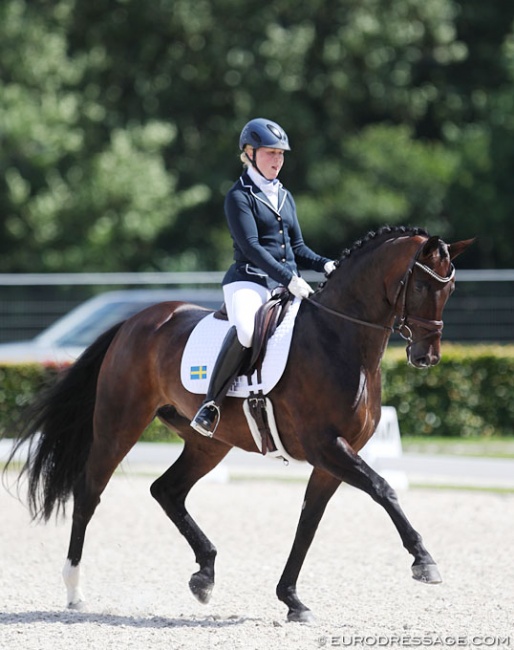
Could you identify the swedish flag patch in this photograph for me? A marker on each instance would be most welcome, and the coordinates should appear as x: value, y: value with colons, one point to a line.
x: 198, y: 372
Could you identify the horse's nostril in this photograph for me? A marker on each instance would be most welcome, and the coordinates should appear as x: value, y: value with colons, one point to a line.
x: 428, y: 360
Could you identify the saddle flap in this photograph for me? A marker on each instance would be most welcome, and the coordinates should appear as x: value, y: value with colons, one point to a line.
x: 267, y: 319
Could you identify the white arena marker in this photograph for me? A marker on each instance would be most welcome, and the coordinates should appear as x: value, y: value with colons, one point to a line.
x: 386, y: 444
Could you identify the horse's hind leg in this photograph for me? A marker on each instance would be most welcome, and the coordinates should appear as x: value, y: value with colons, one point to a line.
x: 111, y: 444
x: 198, y: 458
x: 85, y: 501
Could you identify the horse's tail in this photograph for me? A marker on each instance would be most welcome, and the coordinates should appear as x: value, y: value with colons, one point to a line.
x: 59, y: 431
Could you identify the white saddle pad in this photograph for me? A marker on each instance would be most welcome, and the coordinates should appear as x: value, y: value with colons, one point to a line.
x: 205, y: 342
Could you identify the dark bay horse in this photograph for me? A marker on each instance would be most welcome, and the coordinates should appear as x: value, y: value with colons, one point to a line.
x: 327, y: 404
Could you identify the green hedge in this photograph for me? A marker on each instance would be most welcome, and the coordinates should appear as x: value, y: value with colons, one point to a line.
x: 20, y: 383
x: 469, y: 394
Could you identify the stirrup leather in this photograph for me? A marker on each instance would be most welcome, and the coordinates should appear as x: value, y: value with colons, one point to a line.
x: 204, y: 424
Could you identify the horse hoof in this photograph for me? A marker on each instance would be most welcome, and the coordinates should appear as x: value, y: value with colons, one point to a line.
x: 301, y: 616
x: 201, y: 588
x: 79, y: 606
x: 427, y: 573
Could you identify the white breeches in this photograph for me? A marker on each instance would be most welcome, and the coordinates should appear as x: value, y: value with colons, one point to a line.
x: 243, y: 299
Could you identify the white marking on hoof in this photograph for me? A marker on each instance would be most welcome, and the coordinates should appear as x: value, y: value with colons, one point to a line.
x: 71, y: 577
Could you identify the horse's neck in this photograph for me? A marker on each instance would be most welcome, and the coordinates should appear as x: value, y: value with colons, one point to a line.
x: 361, y: 295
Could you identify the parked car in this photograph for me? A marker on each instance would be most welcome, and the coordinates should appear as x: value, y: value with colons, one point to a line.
x: 69, y: 336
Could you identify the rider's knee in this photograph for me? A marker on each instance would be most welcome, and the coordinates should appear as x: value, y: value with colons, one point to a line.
x: 245, y: 335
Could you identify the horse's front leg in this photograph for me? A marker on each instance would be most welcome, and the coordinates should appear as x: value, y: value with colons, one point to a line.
x: 319, y: 490
x: 170, y: 490
x: 341, y: 461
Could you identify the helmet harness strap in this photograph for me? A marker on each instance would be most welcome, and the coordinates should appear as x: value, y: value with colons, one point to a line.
x: 253, y: 161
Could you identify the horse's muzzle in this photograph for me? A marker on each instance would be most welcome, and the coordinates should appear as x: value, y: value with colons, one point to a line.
x: 420, y: 355
x: 422, y: 351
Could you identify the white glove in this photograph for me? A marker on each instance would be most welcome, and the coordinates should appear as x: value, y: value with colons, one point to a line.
x: 330, y: 267
x: 299, y: 288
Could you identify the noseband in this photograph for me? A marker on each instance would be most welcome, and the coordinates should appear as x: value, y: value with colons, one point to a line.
x: 403, y: 325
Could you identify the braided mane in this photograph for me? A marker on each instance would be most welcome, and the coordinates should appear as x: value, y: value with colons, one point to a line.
x: 398, y: 231
x: 375, y: 236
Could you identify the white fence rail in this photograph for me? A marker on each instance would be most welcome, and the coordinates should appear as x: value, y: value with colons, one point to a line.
x: 482, y: 308
x: 192, y: 278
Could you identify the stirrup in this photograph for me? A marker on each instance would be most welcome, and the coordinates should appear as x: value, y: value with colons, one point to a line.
x: 206, y: 426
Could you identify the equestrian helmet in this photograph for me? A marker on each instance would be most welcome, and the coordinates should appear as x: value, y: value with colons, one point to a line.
x: 260, y: 132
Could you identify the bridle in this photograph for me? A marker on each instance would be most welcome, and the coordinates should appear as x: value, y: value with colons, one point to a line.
x: 403, y: 325
x: 432, y: 326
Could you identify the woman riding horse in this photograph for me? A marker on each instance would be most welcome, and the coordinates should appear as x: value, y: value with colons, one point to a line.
x: 327, y: 403
x: 268, y: 245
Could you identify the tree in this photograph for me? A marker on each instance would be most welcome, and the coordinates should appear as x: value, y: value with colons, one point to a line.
x: 76, y: 194
x: 120, y: 123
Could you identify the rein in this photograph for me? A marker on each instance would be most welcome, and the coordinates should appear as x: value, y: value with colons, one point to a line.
x: 403, y: 329
x: 358, y: 321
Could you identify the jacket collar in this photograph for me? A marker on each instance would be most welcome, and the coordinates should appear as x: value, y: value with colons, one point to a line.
x: 249, y: 186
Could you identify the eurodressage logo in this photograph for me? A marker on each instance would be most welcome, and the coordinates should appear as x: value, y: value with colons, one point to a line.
x: 198, y: 372
x: 411, y: 641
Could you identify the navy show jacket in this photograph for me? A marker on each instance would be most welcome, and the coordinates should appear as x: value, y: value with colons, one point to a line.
x: 268, y: 242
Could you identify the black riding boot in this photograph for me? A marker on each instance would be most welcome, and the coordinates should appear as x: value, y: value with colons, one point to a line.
x: 228, y: 364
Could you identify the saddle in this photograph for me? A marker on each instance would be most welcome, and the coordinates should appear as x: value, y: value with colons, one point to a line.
x: 258, y: 409
x: 267, y: 319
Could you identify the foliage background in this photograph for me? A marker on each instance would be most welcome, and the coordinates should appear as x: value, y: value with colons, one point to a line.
x: 467, y: 395
x: 119, y: 123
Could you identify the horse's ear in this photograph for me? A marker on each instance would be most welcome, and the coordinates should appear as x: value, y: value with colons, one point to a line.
x: 459, y: 247
x: 431, y: 246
